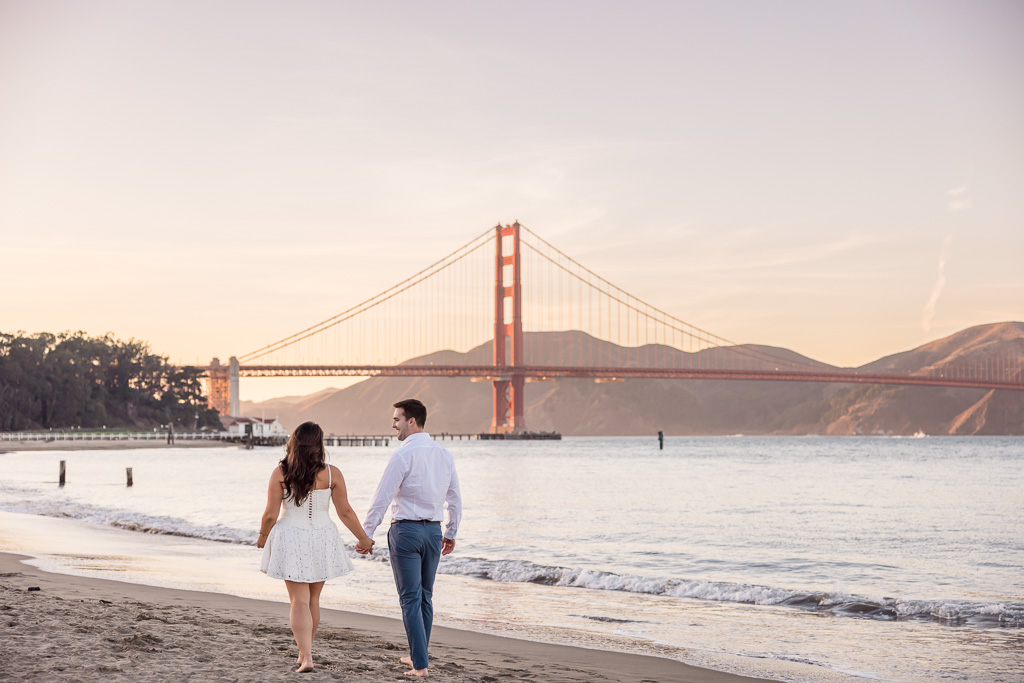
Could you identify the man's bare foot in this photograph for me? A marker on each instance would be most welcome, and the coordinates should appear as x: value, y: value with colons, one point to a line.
x: 413, y: 671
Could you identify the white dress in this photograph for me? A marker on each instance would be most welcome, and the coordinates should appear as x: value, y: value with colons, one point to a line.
x: 304, y: 545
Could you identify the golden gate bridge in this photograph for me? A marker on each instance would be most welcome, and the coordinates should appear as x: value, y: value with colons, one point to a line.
x: 511, y: 290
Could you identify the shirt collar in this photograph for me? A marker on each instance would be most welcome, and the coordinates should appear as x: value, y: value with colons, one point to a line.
x: 416, y: 437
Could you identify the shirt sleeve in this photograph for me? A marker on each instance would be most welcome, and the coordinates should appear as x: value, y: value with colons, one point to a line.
x: 394, y: 475
x: 454, y: 500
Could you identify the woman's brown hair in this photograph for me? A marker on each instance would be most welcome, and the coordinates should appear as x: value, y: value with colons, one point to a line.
x: 304, y: 458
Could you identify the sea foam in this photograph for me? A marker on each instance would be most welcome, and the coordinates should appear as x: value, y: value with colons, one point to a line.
x: 838, y: 603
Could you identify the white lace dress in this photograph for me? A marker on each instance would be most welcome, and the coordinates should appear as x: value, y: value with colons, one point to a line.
x: 304, y: 545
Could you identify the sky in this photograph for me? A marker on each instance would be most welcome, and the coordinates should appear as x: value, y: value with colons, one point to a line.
x: 843, y: 179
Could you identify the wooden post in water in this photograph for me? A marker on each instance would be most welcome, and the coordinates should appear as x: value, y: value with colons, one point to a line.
x: 62, y: 472
x: 661, y: 440
x: 129, y: 471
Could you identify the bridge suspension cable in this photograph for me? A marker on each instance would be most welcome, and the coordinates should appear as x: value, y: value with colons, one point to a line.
x: 626, y: 320
x: 405, y: 285
x: 572, y: 319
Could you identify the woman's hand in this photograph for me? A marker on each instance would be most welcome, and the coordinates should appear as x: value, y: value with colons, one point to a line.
x: 364, y: 546
x: 275, y: 492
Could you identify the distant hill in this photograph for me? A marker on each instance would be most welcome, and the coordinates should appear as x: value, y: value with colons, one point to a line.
x: 643, y: 406
x: 936, y: 410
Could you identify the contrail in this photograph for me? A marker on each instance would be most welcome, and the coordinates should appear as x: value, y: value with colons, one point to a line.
x: 929, y: 308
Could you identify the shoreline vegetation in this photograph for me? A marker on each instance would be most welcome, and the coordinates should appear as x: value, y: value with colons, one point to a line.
x: 64, y: 627
x: 69, y: 380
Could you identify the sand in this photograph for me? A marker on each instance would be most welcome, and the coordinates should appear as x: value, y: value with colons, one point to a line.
x: 76, y: 628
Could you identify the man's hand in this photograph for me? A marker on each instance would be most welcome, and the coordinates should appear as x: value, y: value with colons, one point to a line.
x: 447, y: 545
x: 364, y: 546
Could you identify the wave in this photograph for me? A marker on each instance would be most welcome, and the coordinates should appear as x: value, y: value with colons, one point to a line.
x: 134, y: 521
x: 952, y: 612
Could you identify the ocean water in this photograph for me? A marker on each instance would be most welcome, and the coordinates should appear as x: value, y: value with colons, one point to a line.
x: 798, y: 559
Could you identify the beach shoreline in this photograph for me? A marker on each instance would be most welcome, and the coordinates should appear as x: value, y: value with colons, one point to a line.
x: 75, y: 627
x: 109, y: 445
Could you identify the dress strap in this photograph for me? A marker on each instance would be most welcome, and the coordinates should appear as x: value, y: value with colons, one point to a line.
x: 328, y: 476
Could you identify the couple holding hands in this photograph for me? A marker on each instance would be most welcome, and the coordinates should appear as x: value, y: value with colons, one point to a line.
x: 302, y: 546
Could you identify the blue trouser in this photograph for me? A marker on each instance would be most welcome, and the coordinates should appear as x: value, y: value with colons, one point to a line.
x: 415, y: 548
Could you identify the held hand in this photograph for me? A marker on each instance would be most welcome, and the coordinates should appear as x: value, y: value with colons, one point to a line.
x: 447, y: 545
x: 365, y: 546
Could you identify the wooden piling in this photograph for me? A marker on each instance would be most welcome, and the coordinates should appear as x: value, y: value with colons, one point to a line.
x: 62, y: 472
x: 129, y: 471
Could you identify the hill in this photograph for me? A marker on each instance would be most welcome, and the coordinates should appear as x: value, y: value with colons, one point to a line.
x: 936, y: 410
x: 643, y: 406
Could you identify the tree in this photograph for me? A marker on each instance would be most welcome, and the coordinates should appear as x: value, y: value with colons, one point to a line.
x: 73, y: 380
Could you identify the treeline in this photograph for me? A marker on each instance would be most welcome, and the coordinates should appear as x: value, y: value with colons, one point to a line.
x: 72, y: 380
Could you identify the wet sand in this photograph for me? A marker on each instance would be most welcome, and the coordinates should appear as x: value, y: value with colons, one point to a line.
x: 76, y: 628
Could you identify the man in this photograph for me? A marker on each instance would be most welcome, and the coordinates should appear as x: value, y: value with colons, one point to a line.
x: 417, y: 481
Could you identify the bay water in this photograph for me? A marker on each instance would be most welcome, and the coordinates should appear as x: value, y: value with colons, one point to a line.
x: 791, y: 558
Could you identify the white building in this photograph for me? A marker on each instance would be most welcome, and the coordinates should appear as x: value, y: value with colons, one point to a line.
x: 261, y: 427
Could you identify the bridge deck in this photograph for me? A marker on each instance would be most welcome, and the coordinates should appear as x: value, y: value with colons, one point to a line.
x: 538, y: 372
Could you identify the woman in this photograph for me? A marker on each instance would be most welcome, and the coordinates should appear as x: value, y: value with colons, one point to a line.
x: 304, y: 547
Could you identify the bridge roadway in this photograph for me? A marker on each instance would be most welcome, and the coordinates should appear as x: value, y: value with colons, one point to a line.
x: 540, y: 372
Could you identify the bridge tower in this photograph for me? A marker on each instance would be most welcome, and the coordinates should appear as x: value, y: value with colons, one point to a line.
x: 222, y: 387
x: 508, y: 336
x: 233, y: 375
x: 218, y: 394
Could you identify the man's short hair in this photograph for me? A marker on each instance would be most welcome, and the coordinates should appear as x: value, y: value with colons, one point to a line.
x: 414, y: 410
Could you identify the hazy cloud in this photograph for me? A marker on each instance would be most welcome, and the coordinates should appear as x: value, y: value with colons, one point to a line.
x: 940, y: 281
x: 956, y: 201
x: 743, y: 255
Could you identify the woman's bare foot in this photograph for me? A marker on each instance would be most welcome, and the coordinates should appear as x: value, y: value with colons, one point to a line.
x: 304, y: 667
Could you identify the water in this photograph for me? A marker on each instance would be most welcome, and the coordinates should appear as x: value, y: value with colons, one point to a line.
x: 792, y: 558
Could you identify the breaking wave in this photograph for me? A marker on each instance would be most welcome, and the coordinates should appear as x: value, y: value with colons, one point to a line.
x: 951, y: 612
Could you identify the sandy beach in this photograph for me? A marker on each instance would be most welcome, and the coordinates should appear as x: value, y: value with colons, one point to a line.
x: 75, y: 628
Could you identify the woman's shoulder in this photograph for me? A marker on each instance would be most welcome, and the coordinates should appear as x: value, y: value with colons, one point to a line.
x: 277, y: 474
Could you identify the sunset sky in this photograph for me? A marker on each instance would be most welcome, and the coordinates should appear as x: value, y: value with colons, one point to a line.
x: 842, y: 179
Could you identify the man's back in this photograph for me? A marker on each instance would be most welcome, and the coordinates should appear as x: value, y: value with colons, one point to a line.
x: 429, y: 469
x: 418, y: 479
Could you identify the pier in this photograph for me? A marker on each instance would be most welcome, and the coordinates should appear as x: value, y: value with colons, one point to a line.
x: 381, y: 440
x: 521, y: 436
x: 356, y: 440
x: 113, y: 436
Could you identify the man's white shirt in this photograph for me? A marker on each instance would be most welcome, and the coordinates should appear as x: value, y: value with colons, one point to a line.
x: 418, y: 480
